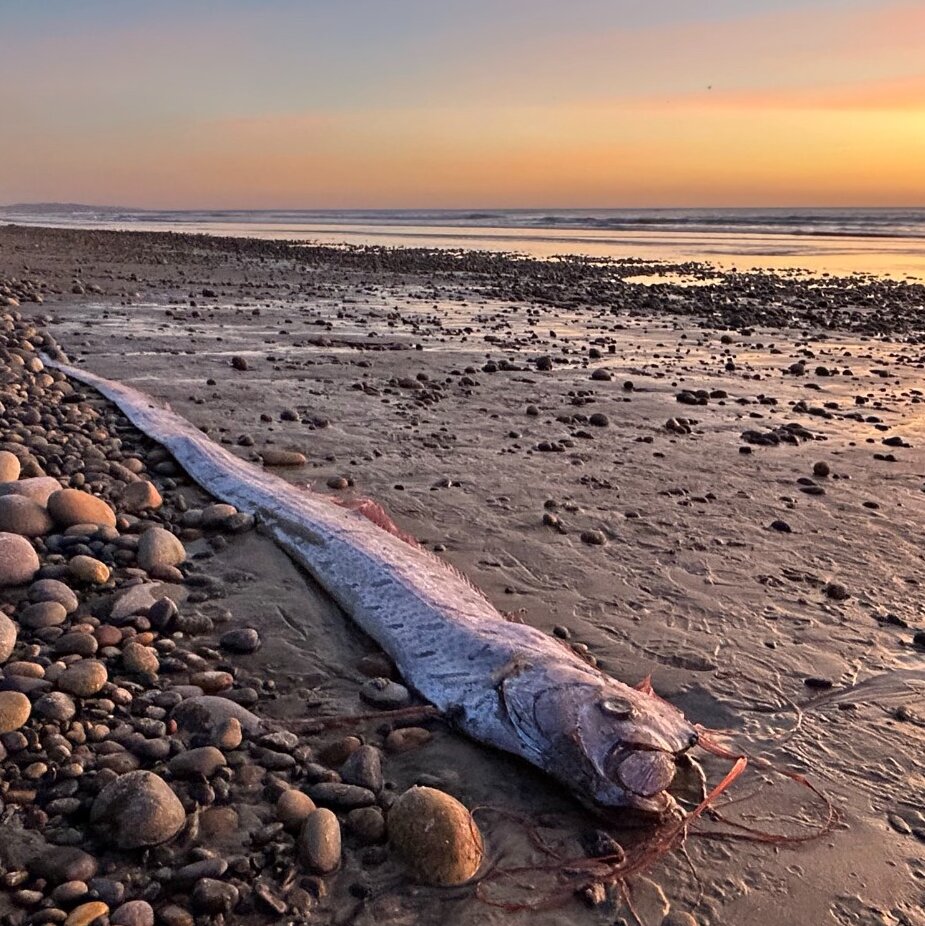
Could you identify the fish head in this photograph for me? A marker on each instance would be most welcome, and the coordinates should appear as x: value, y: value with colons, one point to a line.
x: 615, y: 746
x: 630, y: 741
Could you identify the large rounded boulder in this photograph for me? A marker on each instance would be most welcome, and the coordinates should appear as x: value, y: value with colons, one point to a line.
x: 18, y: 560
x: 137, y: 809
x: 435, y: 836
x: 68, y: 507
x: 23, y: 516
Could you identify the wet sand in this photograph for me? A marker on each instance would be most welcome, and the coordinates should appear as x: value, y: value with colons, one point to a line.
x: 424, y: 383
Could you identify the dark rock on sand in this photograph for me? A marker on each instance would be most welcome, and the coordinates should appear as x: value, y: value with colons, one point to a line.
x: 84, y: 678
x: 23, y: 516
x: 320, y: 842
x: 141, y: 496
x: 158, y: 548
x: 385, y: 694
x: 593, y: 538
x: 137, y: 809
x: 64, y: 863
x: 836, y: 591
x: 18, y: 560
x: 204, y: 761
x: 338, y: 794
x: 133, y: 913
x: 204, y: 713
x: 293, y: 807
x: 37, y: 488
x: 240, y: 640
x: 56, y: 706
x: 364, y: 768
x: 53, y: 590
x: 212, y: 896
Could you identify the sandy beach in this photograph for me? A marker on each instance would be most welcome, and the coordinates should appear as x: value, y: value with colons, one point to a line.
x: 717, y: 483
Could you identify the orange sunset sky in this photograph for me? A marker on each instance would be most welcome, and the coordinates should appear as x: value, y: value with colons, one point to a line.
x: 485, y: 103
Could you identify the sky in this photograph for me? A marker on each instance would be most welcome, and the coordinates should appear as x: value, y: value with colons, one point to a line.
x: 463, y: 103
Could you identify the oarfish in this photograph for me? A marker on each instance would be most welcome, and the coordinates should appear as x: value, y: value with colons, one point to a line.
x: 503, y: 683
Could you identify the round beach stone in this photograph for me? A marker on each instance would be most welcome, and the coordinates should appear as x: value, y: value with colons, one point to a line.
x: 141, y: 496
x: 158, y: 547
x: 10, y: 466
x: 367, y: 824
x: 320, y: 841
x: 38, y: 488
x: 204, y: 761
x: 8, y: 634
x: 18, y: 560
x: 293, y: 807
x: 63, y: 864
x: 214, y: 516
x: 23, y: 516
x: 212, y: 896
x: 228, y: 735
x: 76, y: 643
x: 137, y: 809
x: 240, y: 640
x: 212, y: 681
x: 15, y: 709
x: 24, y: 669
x: 679, y: 918
x: 139, y: 658
x: 384, y: 694
x: 282, y: 457
x: 174, y: 915
x: 53, y: 590
x: 133, y: 913
x: 341, y: 795
x: 404, y: 739
x: 593, y: 538
x: 88, y: 570
x: 107, y: 635
x: 43, y: 614
x: 364, y: 768
x: 84, y: 678
x: 71, y: 506
x: 436, y: 836
x: 205, y: 713
x: 139, y: 599
x: 69, y: 893
x: 56, y: 706
x: 86, y: 913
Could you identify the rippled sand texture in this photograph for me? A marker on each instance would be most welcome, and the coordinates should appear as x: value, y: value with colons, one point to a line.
x: 744, y: 626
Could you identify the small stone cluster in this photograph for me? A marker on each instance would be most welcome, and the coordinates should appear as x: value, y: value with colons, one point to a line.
x: 138, y: 781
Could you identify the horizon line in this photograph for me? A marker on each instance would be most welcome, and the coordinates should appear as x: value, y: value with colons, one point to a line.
x: 497, y: 208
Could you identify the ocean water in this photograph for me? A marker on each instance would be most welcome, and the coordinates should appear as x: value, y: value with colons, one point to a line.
x: 884, y: 242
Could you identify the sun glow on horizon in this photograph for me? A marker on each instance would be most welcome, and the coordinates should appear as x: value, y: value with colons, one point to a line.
x: 282, y: 105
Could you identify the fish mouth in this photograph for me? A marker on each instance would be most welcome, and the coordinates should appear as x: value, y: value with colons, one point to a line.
x: 623, y: 807
x: 644, y: 773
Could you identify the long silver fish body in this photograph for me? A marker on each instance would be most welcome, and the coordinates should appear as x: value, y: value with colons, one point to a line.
x: 503, y: 683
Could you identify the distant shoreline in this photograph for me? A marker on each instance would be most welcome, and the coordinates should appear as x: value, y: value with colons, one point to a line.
x: 885, y: 243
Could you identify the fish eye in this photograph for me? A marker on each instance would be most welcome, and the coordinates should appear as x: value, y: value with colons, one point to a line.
x: 617, y: 707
